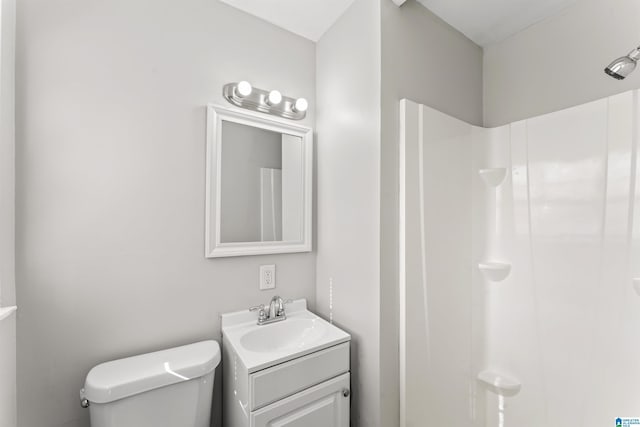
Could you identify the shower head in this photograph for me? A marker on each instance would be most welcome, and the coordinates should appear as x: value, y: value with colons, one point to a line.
x: 623, y: 66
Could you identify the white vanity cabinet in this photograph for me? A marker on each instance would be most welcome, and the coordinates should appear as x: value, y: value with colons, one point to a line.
x: 270, y: 380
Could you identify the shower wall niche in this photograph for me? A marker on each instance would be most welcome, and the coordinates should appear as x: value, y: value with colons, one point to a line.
x: 520, y: 268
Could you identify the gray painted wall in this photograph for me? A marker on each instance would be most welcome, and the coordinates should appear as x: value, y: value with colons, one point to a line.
x: 111, y: 127
x: 559, y: 62
x: 348, y: 194
x: 7, y: 213
x: 426, y: 60
x: 7, y: 152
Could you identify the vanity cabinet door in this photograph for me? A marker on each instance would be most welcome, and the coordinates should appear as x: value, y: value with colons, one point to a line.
x: 324, y: 405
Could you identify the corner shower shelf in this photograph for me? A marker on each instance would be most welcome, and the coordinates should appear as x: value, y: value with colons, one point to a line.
x: 6, y: 311
x: 495, y: 271
x: 636, y: 285
x: 499, y: 384
x: 493, y: 176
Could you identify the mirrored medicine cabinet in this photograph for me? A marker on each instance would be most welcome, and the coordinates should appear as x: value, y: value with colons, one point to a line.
x: 258, y: 184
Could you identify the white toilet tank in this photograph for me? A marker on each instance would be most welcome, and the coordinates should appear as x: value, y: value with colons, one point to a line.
x: 168, y: 388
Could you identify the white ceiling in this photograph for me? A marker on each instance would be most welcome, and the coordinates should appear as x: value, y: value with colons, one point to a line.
x: 490, y: 21
x: 483, y: 21
x: 307, y: 18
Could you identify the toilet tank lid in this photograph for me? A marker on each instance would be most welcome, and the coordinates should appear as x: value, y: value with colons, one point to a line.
x: 122, y: 378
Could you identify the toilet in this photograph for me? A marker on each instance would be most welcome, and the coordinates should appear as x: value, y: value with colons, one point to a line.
x: 167, y: 388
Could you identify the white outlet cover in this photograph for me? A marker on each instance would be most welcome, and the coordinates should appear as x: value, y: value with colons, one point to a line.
x: 267, y: 277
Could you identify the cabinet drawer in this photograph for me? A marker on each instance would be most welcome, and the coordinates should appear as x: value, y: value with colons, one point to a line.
x: 288, y: 378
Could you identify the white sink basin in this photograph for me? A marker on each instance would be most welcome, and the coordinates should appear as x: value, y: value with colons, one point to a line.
x: 260, y: 346
x: 288, y: 335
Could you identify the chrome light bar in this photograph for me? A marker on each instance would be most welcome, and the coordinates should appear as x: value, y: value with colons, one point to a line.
x: 243, y: 95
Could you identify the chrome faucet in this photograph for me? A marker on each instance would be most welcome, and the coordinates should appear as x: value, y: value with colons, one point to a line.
x: 276, y: 307
x: 275, y: 311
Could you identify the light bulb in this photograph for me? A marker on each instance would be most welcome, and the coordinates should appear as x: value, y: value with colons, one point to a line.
x: 301, y: 105
x: 275, y: 97
x: 244, y: 89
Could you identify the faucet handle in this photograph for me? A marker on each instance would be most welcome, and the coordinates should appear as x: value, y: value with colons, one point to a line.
x: 284, y: 302
x: 262, y: 313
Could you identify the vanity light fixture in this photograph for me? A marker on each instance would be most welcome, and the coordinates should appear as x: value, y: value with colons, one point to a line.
x: 274, y: 98
x: 244, y: 95
x: 243, y: 89
x: 301, y: 105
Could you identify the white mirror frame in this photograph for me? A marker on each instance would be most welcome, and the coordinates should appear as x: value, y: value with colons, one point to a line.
x: 214, y: 248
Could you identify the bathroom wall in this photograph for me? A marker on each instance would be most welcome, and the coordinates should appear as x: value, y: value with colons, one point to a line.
x: 110, y: 180
x: 559, y: 62
x: 7, y: 152
x: 7, y: 218
x: 416, y: 47
x: 348, y: 194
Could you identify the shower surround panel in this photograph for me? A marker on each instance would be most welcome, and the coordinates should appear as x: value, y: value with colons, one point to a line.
x: 553, y: 204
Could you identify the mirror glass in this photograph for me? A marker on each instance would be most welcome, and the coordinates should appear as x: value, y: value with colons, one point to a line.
x: 261, y: 185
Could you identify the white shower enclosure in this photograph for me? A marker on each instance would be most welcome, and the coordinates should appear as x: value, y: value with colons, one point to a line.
x: 520, y: 268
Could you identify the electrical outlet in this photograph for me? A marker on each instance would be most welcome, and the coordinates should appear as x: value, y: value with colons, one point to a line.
x: 267, y: 277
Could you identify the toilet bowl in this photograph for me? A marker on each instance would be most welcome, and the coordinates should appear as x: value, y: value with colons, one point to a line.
x: 167, y: 388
